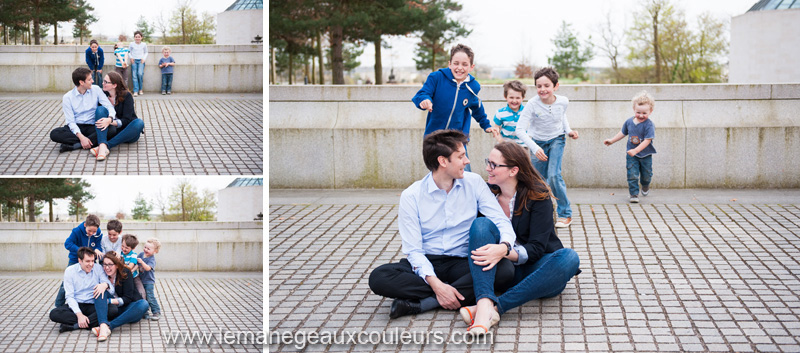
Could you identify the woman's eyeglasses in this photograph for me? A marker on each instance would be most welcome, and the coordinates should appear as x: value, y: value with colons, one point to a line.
x: 493, y: 165
x: 108, y: 265
x: 106, y: 82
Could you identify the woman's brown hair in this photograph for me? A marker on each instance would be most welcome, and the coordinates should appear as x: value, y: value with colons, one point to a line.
x: 529, y: 181
x: 121, y: 90
x: 121, y: 275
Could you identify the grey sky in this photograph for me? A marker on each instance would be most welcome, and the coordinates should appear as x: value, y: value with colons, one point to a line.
x: 117, y: 17
x: 117, y: 193
x: 505, y: 30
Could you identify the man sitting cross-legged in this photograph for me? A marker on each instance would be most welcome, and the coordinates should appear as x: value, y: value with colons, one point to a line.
x: 83, y: 282
x: 434, y: 218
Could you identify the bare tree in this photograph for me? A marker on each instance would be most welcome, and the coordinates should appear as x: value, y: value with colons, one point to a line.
x: 611, y: 41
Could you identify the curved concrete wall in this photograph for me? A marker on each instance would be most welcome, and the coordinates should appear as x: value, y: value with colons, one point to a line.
x: 198, y: 68
x: 185, y: 246
x: 707, y: 136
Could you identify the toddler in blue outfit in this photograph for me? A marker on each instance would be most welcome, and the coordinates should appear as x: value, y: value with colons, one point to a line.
x: 147, y: 264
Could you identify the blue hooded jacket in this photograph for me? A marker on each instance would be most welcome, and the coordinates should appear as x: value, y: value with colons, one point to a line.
x: 95, y: 61
x: 452, y: 102
x: 78, y: 238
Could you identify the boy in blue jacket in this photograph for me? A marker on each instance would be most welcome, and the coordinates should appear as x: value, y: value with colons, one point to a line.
x: 454, y: 93
x: 86, y: 234
x: 95, y: 61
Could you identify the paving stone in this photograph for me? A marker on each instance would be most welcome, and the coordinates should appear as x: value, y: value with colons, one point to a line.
x: 186, y: 134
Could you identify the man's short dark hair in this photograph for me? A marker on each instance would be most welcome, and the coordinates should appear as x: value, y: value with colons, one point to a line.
x: 441, y: 143
x: 83, y: 251
x: 114, y: 225
x: 80, y: 74
x: 92, y: 221
x: 548, y: 72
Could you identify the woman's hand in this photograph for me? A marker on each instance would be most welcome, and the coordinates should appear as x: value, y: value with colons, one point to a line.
x: 103, y: 123
x: 489, y: 255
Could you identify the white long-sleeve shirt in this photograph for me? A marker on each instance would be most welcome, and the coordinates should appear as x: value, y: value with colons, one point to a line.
x: 542, y: 122
x: 138, y: 51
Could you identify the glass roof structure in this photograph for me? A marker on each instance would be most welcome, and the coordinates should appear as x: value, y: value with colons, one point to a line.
x: 240, y: 182
x: 246, y: 5
x: 775, y: 5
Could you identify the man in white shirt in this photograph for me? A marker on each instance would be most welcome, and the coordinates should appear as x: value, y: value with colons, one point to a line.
x: 81, y: 111
x: 83, y: 282
x: 435, y: 216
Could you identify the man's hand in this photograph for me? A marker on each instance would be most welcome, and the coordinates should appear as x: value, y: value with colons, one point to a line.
x: 100, y: 289
x: 103, y: 123
x: 86, y: 143
x: 573, y: 134
x: 426, y: 105
x: 447, y: 296
x: 540, y: 154
x: 488, y: 255
x: 83, y: 321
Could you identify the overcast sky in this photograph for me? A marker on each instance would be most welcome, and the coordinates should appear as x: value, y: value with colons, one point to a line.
x: 117, y: 193
x: 505, y: 30
x: 117, y: 17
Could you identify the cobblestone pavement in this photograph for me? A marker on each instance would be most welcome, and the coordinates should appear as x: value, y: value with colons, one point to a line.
x: 201, y: 302
x: 688, y: 277
x: 185, y: 134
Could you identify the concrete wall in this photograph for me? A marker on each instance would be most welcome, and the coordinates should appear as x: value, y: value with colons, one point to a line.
x: 198, y: 68
x: 186, y: 246
x: 764, y: 47
x: 707, y: 136
x: 239, y: 26
x: 241, y: 203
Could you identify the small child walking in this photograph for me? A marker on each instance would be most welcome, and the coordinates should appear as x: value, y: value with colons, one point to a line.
x: 147, y: 264
x: 166, y: 64
x: 640, y: 150
x: 505, y: 120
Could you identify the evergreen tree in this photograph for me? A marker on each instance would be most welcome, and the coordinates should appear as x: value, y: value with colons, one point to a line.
x: 142, y: 208
x: 82, y: 21
x: 570, y: 56
x: 439, y: 32
x: 145, y: 28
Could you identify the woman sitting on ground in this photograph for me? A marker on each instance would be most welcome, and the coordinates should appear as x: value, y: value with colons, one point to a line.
x: 542, y: 265
x: 131, y: 306
x: 127, y: 124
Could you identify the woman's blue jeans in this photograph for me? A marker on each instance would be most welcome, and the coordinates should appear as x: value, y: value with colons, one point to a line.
x: 129, y: 134
x: 128, y: 313
x: 545, y: 278
x: 551, y: 171
x: 138, y: 75
x: 149, y: 288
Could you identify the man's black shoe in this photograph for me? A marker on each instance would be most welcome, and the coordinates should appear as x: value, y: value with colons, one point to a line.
x: 65, y: 148
x: 65, y: 328
x: 402, y: 307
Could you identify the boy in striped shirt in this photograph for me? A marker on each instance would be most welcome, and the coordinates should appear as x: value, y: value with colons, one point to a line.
x: 505, y: 120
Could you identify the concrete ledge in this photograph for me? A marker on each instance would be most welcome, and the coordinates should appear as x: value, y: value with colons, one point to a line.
x: 199, y: 68
x: 186, y: 246
x: 717, y: 136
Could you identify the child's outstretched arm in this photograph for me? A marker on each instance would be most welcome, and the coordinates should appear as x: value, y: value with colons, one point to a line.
x: 424, y: 97
x: 523, y: 123
x: 617, y: 137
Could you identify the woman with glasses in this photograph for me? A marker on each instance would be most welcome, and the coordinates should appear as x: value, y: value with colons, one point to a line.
x: 131, y: 306
x: 127, y: 125
x: 542, y: 265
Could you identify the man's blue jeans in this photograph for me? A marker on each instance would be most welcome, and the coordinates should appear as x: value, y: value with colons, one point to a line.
x: 551, y: 171
x: 128, y: 313
x: 545, y: 278
x: 149, y: 288
x: 138, y: 75
x: 639, y: 168
x: 166, y: 82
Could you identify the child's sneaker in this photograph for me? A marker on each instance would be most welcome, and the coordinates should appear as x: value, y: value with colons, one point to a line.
x: 163, y: 92
x: 169, y: 92
x: 155, y: 316
x: 563, y: 222
x: 645, y: 190
x: 141, y: 93
x: 135, y: 94
x: 634, y: 199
